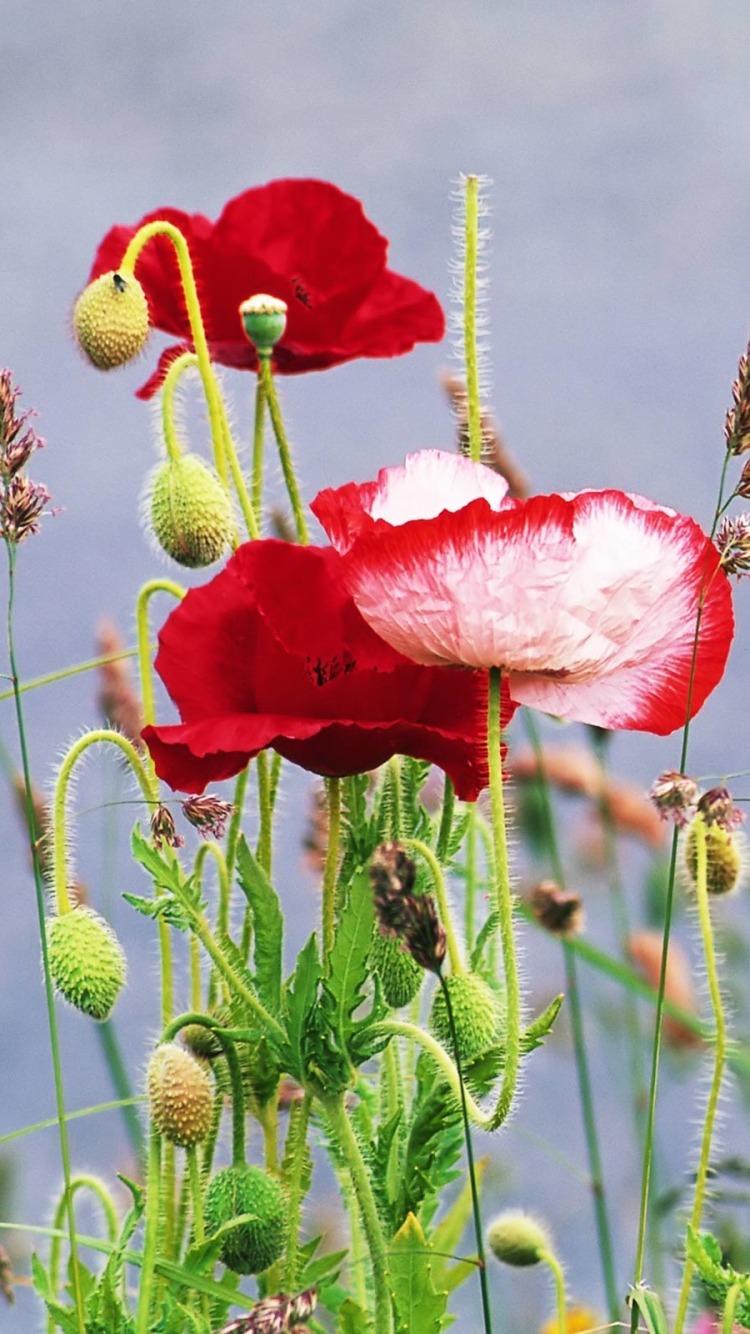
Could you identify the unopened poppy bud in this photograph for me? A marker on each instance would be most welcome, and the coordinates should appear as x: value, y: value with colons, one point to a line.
x: 724, y: 860
x: 181, y: 1096
x: 86, y: 961
x: 191, y: 513
x: 264, y: 321
x: 202, y: 1041
x: 400, y: 975
x: 518, y: 1239
x: 251, y: 1247
x: 111, y: 321
x: 476, y: 1015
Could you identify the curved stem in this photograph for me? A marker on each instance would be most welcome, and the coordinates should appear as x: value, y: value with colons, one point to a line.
x: 260, y: 410
x: 333, y: 792
x: 704, y: 916
x: 208, y: 847
x: 203, y: 931
x: 430, y: 1044
x: 730, y: 1305
x: 504, y: 903
x: 471, y: 244
x: 82, y: 1182
x: 454, y: 954
x: 557, y: 1271
x: 184, y: 362
x: 347, y: 1142
x: 144, y: 648
x: 285, y: 455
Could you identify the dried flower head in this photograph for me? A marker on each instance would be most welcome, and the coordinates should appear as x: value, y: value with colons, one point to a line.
x: 163, y: 829
x: 208, y: 814
x: 717, y: 807
x: 674, y: 795
x: 743, y: 486
x: 737, y: 422
x: 7, y: 1277
x: 118, y: 698
x: 411, y: 917
x: 18, y: 440
x: 275, y: 1315
x: 21, y: 508
x: 733, y: 544
x: 556, y: 909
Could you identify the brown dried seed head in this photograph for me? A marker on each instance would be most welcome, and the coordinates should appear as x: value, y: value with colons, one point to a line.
x: 560, y: 911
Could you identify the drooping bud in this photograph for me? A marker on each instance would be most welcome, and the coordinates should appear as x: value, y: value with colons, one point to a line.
x: 724, y: 860
x: 110, y: 319
x: 208, y: 814
x: 181, y: 1096
x: 717, y: 807
x: 264, y: 321
x: 516, y: 1238
x: 253, y: 1246
x: 86, y: 960
x: 275, y: 1315
x: 400, y: 975
x: 191, y: 513
x: 202, y: 1041
x: 476, y: 1015
x: 163, y: 829
x: 556, y: 909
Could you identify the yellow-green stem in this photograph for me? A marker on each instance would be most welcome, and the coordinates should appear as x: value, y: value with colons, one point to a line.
x: 243, y: 496
x: 235, y: 824
x: 208, y: 847
x: 285, y: 455
x: 264, y: 850
x: 454, y: 954
x: 441, y: 1058
x: 333, y: 793
x: 557, y: 1272
x: 730, y: 1306
x: 145, y: 671
x: 299, y: 1120
x: 151, y: 1235
x: 97, y: 1188
x: 704, y: 917
x: 203, y: 931
x: 260, y: 412
x: 504, y: 904
x: 471, y: 244
x: 186, y: 361
x: 195, y: 973
x: 269, y: 1124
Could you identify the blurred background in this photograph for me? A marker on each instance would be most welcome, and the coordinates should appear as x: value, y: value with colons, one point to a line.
x: 616, y: 133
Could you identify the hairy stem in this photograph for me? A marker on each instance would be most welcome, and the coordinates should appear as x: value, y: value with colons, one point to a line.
x: 504, y: 905
x: 285, y: 455
x: 454, y: 954
x: 333, y: 793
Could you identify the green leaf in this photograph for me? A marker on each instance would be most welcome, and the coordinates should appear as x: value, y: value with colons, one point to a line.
x: 718, y: 1276
x: 166, y: 907
x: 348, y: 971
x: 541, y: 1027
x: 300, y: 1003
x: 40, y: 1277
x: 420, y: 1308
x: 352, y: 1319
x: 650, y: 1308
x: 489, y: 927
x: 446, y: 1237
x: 433, y: 1145
x: 268, y: 926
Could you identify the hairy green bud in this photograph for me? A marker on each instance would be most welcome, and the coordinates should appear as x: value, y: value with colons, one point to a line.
x: 86, y: 961
x: 517, y: 1239
x: 253, y: 1246
x: 476, y: 1014
x: 181, y: 1096
x: 724, y: 862
x: 400, y: 975
x: 190, y: 512
x: 110, y: 320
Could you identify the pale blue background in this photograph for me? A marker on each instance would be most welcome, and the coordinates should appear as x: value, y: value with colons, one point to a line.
x: 617, y: 133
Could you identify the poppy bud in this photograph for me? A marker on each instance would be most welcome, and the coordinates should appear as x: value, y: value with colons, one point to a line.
x: 202, y: 1041
x: 181, y: 1097
x: 111, y: 321
x: 264, y: 321
x: 517, y: 1239
x: 724, y: 861
x: 191, y: 513
x: 86, y: 961
x: 254, y: 1246
x: 475, y: 1013
x: 400, y: 975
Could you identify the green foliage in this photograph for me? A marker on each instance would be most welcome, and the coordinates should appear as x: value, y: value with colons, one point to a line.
x: 650, y: 1307
x: 343, y: 989
x: 717, y: 1276
x: 268, y: 926
x: 352, y: 1319
x: 433, y: 1145
x: 420, y: 1309
x: 446, y: 1238
x: 181, y: 895
x: 541, y: 1027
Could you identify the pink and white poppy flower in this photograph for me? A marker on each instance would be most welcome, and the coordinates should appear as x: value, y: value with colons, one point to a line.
x: 586, y: 602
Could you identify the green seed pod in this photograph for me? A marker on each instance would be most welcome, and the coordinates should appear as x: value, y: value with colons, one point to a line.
x: 191, y: 513
x: 517, y: 1239
x: 476, y: 1013
x: 264, y: 321
x: 201, y: 1041
x: 86, y: 961
x: 400, y: 975
x: 181, y: 1096
x: 110, y: 320
x: 723, y: 858
x: 251, y: 1247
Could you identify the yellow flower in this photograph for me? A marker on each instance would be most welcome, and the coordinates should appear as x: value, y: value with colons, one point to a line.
x: 579, y: 1320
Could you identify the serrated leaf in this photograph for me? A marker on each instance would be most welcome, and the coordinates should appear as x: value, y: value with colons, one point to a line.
x: 650, y: 1307
x: 40, y: 1277
x: 348, y: 970
x: 326, y: 1266
x: 420, y: 1308
x: 488, y: 929
x: 300, y: 1002
x: 718, y: 1276
x: 446, y: 1237
x: 268, y: 926
x: 541, y: 1027
x: 352, y: 1319
x: 433, y: 1145
x: 167, y: 908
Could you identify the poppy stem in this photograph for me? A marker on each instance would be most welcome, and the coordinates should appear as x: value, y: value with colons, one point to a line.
x: 206, y: 847
x: 151, y: 1233
x: 720, y: 1049
x: 285, y: 455
x: 446, y: 820
x: 504, y: 903
x: 144, y: 650
x: 471, y: 254
x: 178, y: 367
x: 297, y: 1151
x: 257, y: 484
x: 333, y: 793
x: 264, y: 849
x: 454, y: 954
x: 557, y: 1273
x: 730, y: 1305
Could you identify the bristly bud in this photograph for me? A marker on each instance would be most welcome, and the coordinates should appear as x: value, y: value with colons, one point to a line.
x: 86, y: 961
x: 21, y: 506
x: 111, y: 321
x: 411, y: 917
x: 275, y: 1315
x: 476, y: 1015
x: 674, y: 795
x: 725, y: 846
x: 208, y: 814
x: 400, y: 975
x: 517, y: 1239
x: 737, y: 423
x: 181, y: 1096
x: 733, y: 544
x: 190, y: 512
x: 118, y: 698
x: 163, y: 829
x: 717, y: 807
x: 264, y: 321
x: 251, y: 1247
x: 558, y: 910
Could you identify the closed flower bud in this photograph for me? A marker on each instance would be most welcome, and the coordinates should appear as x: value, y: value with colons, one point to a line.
x: 724, y: 860
x: 86, y: 961
x: 264, y: 321
x: 253, y: 1246
x: 181, y: 1096
x: 191, y: 513
x: 517, y: 1239
x: 400, y: 975
x: 111, y: 320
x: 476, y: 1014
x: 202, y: 1041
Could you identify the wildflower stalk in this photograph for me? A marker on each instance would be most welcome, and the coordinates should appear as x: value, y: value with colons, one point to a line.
x: 454, y: 954
x: 257, y: 483
x: 235, y: 824
x: 145, y: 671
x: 264, y: 850
x: 557, y: 1273
x: 52, y: 677
x: 346, y: 1141
x: 470, y: 879
x: 471, y: 245
x: 183, y: 363
x: 285, y: 455
x: 446, y: 820
x: 730, y: 1304
x: 504, y: 904
x: 668, y: 910
x: 48, y: 989
x: 82, y: 1182
x: 202, y: 930
x: 333, y: 793
x: 208, y: 847
x: 151, y: 1233
x: 585, y: 1093
x: 720, y: 1048
x: 299, y: 1123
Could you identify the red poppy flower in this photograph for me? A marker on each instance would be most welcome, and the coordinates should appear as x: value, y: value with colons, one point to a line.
x: 301, y: 240
x: 273, y: 652
x: 587, y: 602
